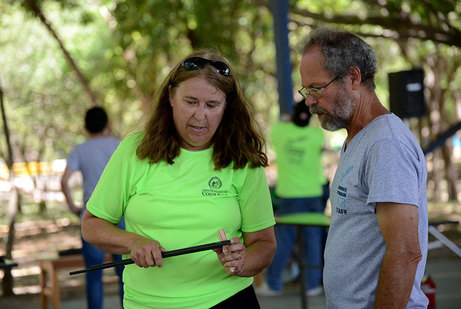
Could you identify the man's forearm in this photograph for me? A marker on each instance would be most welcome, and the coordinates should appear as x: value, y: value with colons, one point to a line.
x: 66, y: 190
x: 68, y: 196
x: 395, y: 282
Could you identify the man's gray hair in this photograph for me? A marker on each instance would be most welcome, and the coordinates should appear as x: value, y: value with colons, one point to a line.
x: 342, y: 50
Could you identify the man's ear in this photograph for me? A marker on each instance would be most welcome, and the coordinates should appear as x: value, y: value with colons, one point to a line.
x: 107, y: 128
x: 355, y: 76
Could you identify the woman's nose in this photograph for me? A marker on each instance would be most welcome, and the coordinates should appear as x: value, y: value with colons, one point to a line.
x: 199, y: 113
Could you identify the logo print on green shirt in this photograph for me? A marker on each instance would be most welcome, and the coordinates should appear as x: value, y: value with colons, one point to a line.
x: 215, y: 183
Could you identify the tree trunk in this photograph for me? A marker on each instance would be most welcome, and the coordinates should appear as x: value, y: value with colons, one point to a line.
x: 451, y: 172
x: 40, y: 186
x: 35, y: 8
x: 13, y: 205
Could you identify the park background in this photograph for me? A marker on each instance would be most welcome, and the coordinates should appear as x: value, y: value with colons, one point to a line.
x: 59, y: 58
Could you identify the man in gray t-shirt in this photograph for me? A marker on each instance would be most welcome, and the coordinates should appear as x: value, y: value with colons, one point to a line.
x: 376, y: 249
x: 90, y: 158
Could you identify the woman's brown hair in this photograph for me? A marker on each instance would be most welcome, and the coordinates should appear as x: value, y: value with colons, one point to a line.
x: 237, y: 140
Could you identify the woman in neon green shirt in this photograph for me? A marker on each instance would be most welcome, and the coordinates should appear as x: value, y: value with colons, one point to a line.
x: 196, y: 168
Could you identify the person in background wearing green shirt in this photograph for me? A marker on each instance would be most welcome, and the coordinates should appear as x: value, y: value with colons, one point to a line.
x: 196, y: 168
x: 299, y: 188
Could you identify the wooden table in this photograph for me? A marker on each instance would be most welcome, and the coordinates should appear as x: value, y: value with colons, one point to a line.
x: 300, y: 220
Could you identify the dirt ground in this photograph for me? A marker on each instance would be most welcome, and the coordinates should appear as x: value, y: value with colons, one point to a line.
x: 43, y: 240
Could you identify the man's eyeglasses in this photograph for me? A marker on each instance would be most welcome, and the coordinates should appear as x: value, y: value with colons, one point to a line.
x: 197, y: 63
x: 314, y: 92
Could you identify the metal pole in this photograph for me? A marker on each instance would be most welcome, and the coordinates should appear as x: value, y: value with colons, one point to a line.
x: 302, y: 267
x: 451, y: 245
x: 282, y: 52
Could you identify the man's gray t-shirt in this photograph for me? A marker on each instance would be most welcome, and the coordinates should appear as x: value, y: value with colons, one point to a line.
x: 91, y: 158
x: 382, y: 163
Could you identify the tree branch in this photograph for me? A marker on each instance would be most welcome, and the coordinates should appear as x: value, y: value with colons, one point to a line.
x: 401, y: 24
x: 33, y: 6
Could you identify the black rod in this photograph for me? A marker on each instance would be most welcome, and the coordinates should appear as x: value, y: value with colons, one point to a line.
x: 165, y: 254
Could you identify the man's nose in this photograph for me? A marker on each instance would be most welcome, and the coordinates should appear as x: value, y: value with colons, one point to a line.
x: 310, y: 100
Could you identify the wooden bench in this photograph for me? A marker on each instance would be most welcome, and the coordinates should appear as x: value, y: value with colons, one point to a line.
x: 49, y: 283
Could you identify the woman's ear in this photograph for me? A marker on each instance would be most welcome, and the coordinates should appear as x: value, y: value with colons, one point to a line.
x: 170, y: 95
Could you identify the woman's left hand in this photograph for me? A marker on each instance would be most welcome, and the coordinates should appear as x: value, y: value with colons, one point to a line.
x: 232, y: 256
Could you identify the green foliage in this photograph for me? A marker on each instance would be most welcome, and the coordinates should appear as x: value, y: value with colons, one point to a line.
x: 29, y: 71
x: 125, y: 48
x: 158, y: 33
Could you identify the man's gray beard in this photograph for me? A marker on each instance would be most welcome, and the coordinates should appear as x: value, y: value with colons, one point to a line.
x: 342, y: 114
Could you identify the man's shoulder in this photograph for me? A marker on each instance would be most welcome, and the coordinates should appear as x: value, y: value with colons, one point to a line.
x: 391, y: 129
x: 113, y: 139
x: 107, y: 141
x: 384, y: 127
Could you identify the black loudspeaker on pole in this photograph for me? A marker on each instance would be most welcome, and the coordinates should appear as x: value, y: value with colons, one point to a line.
x: 406, y: 93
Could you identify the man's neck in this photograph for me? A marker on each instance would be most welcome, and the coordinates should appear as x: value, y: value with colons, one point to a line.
x: 98, y: 135
x: 368, y: 108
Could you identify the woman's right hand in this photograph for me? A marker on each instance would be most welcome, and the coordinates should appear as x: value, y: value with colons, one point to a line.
x: 146, y: 252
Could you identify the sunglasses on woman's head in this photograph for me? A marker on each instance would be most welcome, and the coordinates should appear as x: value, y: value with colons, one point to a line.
x: 197, y: 63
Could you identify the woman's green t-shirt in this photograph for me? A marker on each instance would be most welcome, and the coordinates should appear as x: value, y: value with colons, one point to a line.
x: 181, y: 205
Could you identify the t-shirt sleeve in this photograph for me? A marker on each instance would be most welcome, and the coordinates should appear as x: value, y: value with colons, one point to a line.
x: 255, y: 201
x: 72, y: 161
x: 391, y: 174
x: 117, y: 183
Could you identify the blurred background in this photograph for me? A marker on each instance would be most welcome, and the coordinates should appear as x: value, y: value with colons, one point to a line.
x: 59, y: 58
